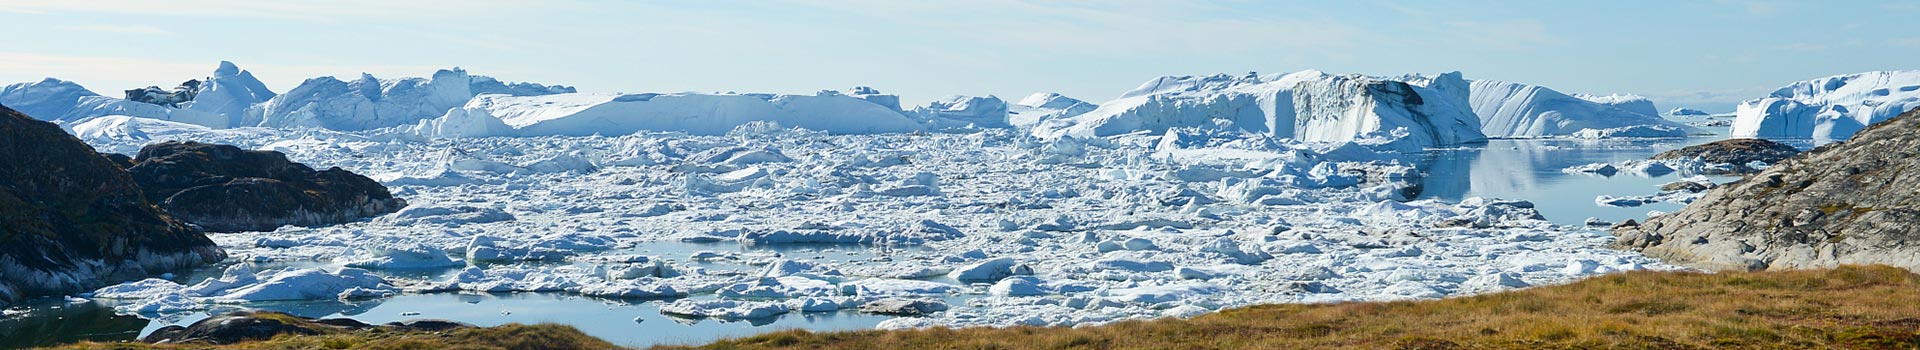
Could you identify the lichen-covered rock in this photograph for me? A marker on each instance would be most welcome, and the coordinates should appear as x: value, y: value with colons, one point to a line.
x: 1738, y: 152
x: 72, y: 220
x: 242, y: 326
x: 225, y: 189
x: 1844, y: 203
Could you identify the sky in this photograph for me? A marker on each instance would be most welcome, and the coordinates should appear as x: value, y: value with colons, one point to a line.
x: 1703, y: 54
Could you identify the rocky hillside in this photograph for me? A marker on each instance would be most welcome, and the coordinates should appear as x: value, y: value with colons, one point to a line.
x: 1844, y: 203
x: 70, y: 219
x: 226, y: 189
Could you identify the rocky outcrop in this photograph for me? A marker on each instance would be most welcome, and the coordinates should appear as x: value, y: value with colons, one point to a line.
x: 1845, y: 203
x: 72, y: 220
x: 244, y: 326
x: 1738, y: 152
x: 226, y: 189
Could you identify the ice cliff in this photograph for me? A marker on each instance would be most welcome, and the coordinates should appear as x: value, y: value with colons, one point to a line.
x: 1831, y: 108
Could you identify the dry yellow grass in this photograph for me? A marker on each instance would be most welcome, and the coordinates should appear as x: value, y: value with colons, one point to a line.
x: 1851, y: 307
x: 1854, y: 307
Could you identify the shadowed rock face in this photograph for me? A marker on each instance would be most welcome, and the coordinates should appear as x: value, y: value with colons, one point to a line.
x: 1853, y: 202
x: 1738, y: 152
x: 227, y: 189
x: 72, y: 220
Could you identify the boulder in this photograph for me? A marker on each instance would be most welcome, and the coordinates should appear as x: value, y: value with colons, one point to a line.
x: 226, y: 189
x: 1845, y: 203
x: 72, y: 220
x: 1738, y: 152
x: 903, y: 307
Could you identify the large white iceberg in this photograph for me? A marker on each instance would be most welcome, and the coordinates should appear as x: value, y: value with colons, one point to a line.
x: 580, y: 114
x: 1309, y: 106
x: 64, y: 101
x: 1521, y: 110
x: 371, y: 103
x: 229, y: 92
x: 1831, y: 108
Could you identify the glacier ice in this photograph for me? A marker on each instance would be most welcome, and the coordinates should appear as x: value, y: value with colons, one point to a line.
x: 1828, y: 109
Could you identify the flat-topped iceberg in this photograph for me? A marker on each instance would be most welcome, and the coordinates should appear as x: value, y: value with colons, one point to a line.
x: 1831, y: 108
x: 1308, y: 106
x: 580, y: 114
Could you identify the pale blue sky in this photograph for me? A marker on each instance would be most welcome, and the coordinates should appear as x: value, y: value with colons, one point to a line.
x: 1682, y: 53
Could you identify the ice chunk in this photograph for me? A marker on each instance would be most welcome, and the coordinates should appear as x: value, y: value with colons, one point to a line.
x: 400, y: 256
x: 989, y: 270
x: 310, y: 284
x: 726, y: 309
x: 1016, y: 286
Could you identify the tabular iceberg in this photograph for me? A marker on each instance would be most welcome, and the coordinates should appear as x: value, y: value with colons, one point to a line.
x: 580, y: 114
x: 1831, y: 108
x: 1308, y: 106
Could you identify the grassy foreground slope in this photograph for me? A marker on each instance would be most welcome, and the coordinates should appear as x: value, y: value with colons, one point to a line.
x: 1852, y: 307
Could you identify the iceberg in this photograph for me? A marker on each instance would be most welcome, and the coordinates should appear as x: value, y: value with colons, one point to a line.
x: 1308, y: 106
x: 1686, y: 112
x: 1521, y: 110
x: 229, y: 92
x: 1041, y: 107
x: 64, y: 101
x: 48, y: 99
x: 372, y: 103
x: 580, y: 114
x: 964, y: 111
x: 1828, y: 109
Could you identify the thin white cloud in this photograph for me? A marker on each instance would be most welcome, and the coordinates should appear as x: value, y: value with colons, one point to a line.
x: 117, y: 29
x: 1912, y: 41
x: 1124, y: 28
x: 7, y: 8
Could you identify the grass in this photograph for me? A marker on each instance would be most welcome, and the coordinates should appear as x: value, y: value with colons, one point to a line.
x: 1851, y: 307
x: 511, y: 336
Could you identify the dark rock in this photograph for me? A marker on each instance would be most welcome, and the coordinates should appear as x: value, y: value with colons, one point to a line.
x: 224, y: 188
x: 170, y: 98
x: 242, y: 326
x: 1689, y: 186
x: 1852, y: 202
x: 903, y: 307
x: 71, y: 220
x: 429, y: 325
x: 1738, y: 152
